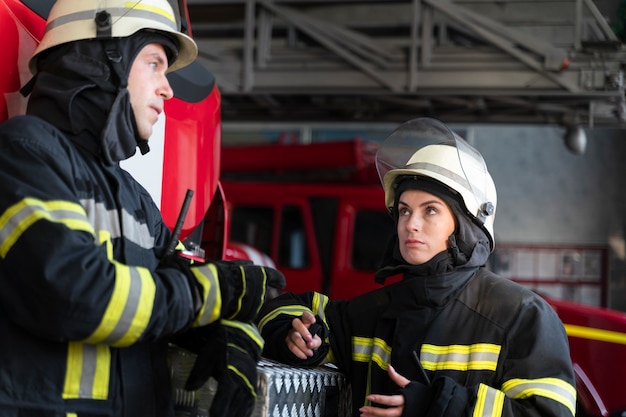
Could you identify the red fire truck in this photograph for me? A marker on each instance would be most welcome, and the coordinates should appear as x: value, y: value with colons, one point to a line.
x: 317, y: 211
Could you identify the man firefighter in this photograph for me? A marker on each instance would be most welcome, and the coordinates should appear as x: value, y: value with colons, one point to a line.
x: 89, y: 299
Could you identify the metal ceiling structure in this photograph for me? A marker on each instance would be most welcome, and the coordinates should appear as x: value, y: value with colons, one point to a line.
x: 506, y: 61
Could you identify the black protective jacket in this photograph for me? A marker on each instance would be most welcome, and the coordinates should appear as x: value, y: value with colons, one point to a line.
x: 474, y: 344
x: 85, y: 312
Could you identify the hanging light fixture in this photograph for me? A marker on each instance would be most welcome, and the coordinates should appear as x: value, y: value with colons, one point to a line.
x: 575, y: 139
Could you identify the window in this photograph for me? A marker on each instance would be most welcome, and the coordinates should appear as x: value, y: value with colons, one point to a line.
x: 372, y: 231
x: 253, y: 226
x: 293, y: 251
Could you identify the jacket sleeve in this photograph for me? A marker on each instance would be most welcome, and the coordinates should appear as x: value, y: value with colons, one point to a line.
x: 61, y: 277
x: 536, y: 376
x: 274, y: 322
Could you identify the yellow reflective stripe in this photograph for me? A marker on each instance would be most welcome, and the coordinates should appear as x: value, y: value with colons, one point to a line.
x: 244, y: 282
x: 19, y: 217
x: 135, y: 5
x: 371, y: 350
x: 211, y: 309
x: 290, y: 310
x: 595, y: 334
x: 129, y: 309
x: 244, y: 378
x: 489, y: 402
x: 242, y: 276
x: 320, y: 301
x: 71, y: 415
x: 552, y: 388
x: 88, y: 371
x: 319, y: 304
x: 248, y: 328
x: 479, y: 356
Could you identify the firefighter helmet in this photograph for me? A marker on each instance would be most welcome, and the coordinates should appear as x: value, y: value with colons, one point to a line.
x: 426, y: 147
x: 72, y: 20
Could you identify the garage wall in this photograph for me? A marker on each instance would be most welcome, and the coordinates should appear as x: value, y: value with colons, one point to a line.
x: 548, y: 195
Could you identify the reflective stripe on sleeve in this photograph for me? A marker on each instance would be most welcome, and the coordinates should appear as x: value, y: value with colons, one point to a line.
x: 129, y: 309
x: 552, y: 388
x: 320, y: 301
x: 365, y: 349
x: 18, y: 218
x: 489, y: 402
x: 477, y: 357
x: 211, y: 309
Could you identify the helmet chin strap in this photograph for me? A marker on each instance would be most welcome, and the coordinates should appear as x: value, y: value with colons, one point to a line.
x: 143, y: 146
x: 458, y: 257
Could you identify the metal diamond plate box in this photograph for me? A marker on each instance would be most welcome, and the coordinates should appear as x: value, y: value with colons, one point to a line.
x: 282, y: 390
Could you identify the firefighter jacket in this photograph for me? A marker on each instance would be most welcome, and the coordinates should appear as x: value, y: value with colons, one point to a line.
x: 472, y: 343
x: 85, y: 314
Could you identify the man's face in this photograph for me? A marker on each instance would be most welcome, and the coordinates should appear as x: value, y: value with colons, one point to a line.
x: 148, y: 87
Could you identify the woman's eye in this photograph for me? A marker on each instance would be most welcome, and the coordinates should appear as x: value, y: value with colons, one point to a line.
x: 431, y: 210
x: 404, y: 212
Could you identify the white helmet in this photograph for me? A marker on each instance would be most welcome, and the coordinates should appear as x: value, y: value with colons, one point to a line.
x: 72, y: 20
x: 426, y: 147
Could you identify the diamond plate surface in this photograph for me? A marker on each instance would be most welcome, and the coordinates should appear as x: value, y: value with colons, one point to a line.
x: 282, y: 390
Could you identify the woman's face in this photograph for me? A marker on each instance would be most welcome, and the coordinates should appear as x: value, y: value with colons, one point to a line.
x: 424, y: 224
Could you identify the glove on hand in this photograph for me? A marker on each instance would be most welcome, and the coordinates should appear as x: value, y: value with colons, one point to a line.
x: 230, y: 354
x: 242, y: 285
x: 243, y: 288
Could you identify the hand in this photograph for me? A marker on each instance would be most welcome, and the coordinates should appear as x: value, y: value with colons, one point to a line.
x: 395, y: 403
x: 299, y: 340
x: 244, y: 286
x: 230, y: 355
x: 234, y: 290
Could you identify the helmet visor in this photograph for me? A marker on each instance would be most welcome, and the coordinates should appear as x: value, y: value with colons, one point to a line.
x: 427, y: 147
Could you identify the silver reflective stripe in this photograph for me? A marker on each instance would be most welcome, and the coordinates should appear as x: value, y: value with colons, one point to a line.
x: 319, y: 304
x: 88, y: 373
x: 18, y: 218
x: 553, y: 388
x: 489, y: 402
x: 374, y: 350
x: 116, y: 14
x: 130, y: 308
x: 480, y: 356
x: 103, y: 219
x: 476, y: 190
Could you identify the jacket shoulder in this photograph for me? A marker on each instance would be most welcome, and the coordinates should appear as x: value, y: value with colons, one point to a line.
x: 23, y: 125
x: 498, y: 298
x: 33, y: 133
